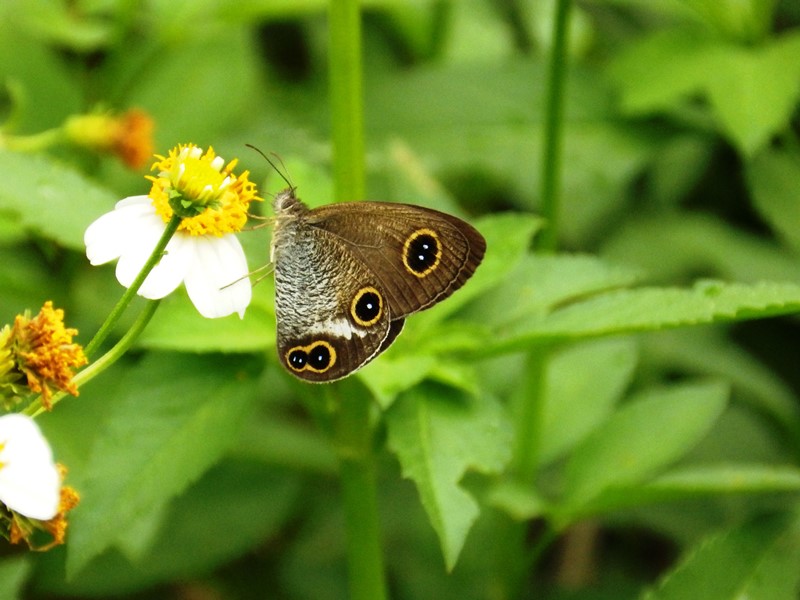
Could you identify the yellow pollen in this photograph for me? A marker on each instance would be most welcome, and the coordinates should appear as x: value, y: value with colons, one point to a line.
x: 204, y: 181
x: 45, y: 352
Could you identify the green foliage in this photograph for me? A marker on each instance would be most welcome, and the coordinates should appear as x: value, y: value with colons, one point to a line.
x: 641, y: 380
x: 437, y: 437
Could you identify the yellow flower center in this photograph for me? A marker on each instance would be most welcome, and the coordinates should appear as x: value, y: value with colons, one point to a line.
x: 203, y: 190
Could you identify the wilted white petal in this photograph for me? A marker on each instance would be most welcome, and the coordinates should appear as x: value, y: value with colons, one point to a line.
x: 29, y: 480
x: 217, y: 280
x: 109, y: 236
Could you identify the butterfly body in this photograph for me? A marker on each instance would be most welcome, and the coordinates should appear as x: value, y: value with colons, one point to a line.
x: 347, y: 275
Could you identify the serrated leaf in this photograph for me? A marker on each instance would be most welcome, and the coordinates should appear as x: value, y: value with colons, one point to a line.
x: 50, y: 198
x: 438, y: 434
x: 650, y: 309
x: 541, y: 282
x: 643, y: 436
x: 173, y: 418
x: 757, y: 560
x: 574, y: 405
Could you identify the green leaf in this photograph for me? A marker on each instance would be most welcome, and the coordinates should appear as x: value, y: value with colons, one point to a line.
x: 523, y: 503
x: 79, y: 31
x: 649, y: 309
x: 215, y: 94
x: 234, y: 507
x: 540, y: 283
x: 13, y: 573
x: 177, y: 326
x: 51, y: 199
x: 438, y: 434
x: 757, y: 560
x: 174, y: 417
x: 573, y: 405
x: 700, y: 481
x: 774, y: 180
x: 645, y: 435
x: 755, y: 90
x: 34, y: 71
x: 389, y: 376
x: 708, y: 350
x: 677, y: 247
x: 663, y: 68
x: 752, y: 89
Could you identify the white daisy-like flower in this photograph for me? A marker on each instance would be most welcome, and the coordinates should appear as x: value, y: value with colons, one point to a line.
x: 30, y: 483
x: 203, y: 254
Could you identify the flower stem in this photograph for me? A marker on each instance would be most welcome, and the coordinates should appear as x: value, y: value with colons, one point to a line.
x: 152, y: 261
x: 120, y: 348
x: 553, y: 130
x: 105, y: 361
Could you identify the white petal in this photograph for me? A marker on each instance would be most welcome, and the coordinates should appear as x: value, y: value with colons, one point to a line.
x: 109, y: 236
x: 164, y: 278
x: 29, y: 480
x: 217, y: 280
x: 170, y: 270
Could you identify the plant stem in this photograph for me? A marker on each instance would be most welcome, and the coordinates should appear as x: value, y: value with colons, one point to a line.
x: 528, y: 413
x: 347, y: 127
x: 127, y: 297
x: 105, y: 361
x: 553, y: 129
x: 34, y: 142
x: 353, y: 435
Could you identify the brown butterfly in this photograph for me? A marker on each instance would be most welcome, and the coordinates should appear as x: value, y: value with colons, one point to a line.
x: 347, y: 275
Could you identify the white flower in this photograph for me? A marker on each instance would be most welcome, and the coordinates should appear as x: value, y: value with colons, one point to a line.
x: 214, y: 269
x: 204, y: 254
x: 29, y: 480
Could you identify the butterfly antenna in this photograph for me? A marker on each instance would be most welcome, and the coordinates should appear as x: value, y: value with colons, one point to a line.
x: 283, y: 172
x: 267, y: 269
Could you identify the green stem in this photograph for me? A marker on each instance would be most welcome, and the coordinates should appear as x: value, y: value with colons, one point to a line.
x: 353, y: 438
x: 105, y: 361
x: 513, y: 558
x: 553, y: 129
x: 130, y: 293
x: 347, y: 126
x: 34, y: 142
x: 529, y: 413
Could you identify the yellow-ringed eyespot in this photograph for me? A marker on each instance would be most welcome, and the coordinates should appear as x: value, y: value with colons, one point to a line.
x: 422, y: 252
x: 317, y: 357
x: 366, y: 307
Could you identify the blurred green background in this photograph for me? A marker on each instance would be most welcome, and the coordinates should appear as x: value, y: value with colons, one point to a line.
x: 202, y: 468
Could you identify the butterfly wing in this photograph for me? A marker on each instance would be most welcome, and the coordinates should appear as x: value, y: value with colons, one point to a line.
x: 418, y: 255
x: 347, y: 274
